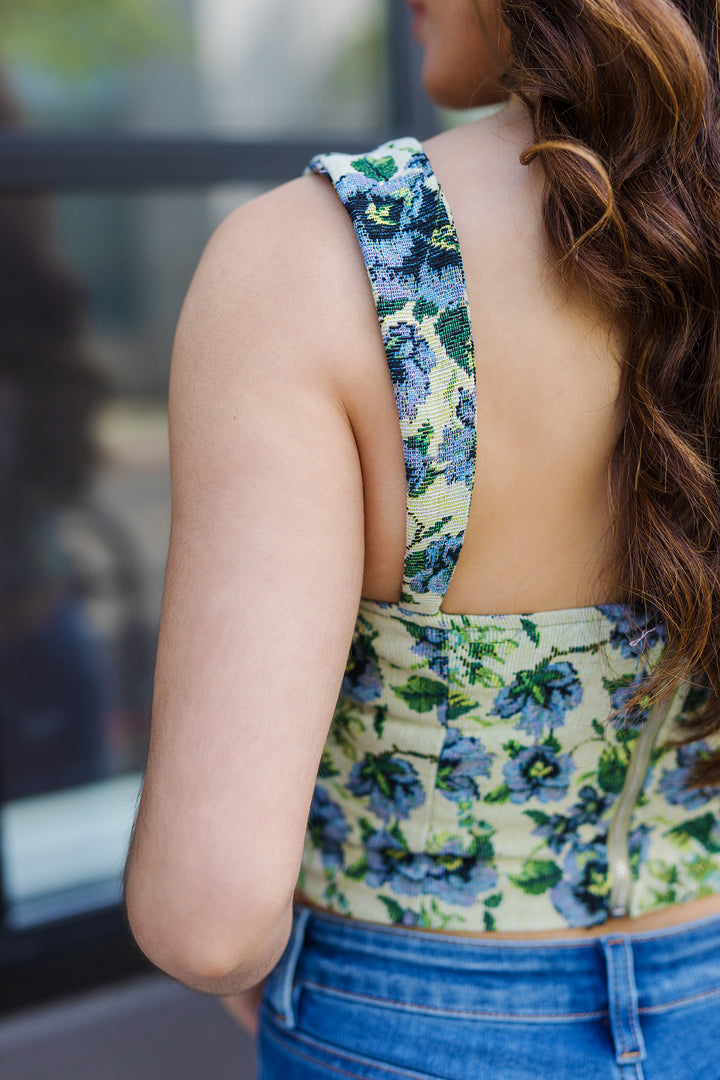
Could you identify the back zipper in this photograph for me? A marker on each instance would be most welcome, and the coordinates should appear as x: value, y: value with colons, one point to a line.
x: 617, y: 838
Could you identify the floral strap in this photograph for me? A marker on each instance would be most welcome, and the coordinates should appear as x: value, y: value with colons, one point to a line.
x: 409, y: 243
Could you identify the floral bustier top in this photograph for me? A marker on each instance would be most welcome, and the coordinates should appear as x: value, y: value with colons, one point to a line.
x: 471, y: 768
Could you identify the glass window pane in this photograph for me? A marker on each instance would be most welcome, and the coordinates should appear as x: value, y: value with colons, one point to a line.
x: 236, y: 67
x: 94, y: 288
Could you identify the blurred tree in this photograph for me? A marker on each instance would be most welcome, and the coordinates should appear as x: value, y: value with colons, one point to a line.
x: 76, y: 38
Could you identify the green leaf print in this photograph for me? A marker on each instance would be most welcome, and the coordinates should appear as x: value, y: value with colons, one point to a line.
x: 376, y: 168
x: 513, y: 748
x: 479, y: 673
x: 336, y: 900
x: 422, y: 694
x: 394, y: 910
x: 552, y: 743
x: 498, y: 794
x: 357, y: 870
x: 537, y: 876
x: 418, y: 446
x: 327, y: 768
x: 433, y: 531
x: 598, y: 728
x: 664, y: 871
x: 481, y: 650
x: 386, y: 308
x: 453, y: 330
x: 700, y: 829
x: 611, y: 771
x: 481, y: 846
x: 345, y: 727
x: 537, y: 816
x: 423, y: 309
x: 488, y: 920
x: 379, y: 720
x: 458, y: 704
x: 701, y: 867
x: 664, y: 899
x: 397, y: 834
x: 366, y: 831
x: 415, y: 561
x: 531, y: 630
x: 445, y: 238
x: 494, y: 900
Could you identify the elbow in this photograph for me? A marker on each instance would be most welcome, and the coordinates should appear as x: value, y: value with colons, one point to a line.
x: 202, y: 950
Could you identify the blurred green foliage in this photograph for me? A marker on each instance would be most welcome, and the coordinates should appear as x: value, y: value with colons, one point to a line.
x: 362, y: 62
x: 77, y: 38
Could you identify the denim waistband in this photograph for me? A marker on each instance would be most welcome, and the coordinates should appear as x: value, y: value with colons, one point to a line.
x: 519, y: 979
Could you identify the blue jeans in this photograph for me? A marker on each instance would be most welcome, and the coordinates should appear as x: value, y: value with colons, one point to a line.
x: 351, y: 999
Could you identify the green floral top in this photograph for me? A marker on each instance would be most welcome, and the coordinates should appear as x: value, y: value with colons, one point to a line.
x: 471, y: 769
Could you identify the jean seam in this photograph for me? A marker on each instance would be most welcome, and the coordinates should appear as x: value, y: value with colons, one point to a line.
x: 285, y: 1039
x: 632, y: 1022
x: 616, y: 1003
x: 410, y: 1006
x: 688, y: 999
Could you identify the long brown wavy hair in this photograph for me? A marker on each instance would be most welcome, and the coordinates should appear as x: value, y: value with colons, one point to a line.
x: 625, y: 100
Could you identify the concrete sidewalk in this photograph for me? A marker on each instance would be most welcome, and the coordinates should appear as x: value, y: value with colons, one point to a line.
x: 149, y: 1028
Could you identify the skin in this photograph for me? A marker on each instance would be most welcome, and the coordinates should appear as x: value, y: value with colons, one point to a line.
x: 462, y: 46
x: 289, y: 505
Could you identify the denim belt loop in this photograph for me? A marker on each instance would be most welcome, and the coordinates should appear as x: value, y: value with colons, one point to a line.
x: 623, y: 1005
x: 282, y: 979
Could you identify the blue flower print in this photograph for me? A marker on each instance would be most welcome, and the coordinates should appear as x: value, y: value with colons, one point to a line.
x: 672, y: 783
x: 410, y: 360
x: 635, y: 631
x: 362, y: 680
x: 465, y: 408
x: 583, y: 895
x: 462, y: 760
x: 558, y: 830
x: 420, y: 471
x: 392, y: 784
x: 619, y: 698
x: 639, y: 844
x: 431, y: 646
x: 457, y: 453
x: 457, y: 449
x: 542, y: 696
x: 555, y: 830
x: 327, y: 827
x: 438, y: 562
x: 538, y: 772
x: 451, y: 874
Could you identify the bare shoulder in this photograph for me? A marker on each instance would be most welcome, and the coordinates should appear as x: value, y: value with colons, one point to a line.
x: 284, y: 267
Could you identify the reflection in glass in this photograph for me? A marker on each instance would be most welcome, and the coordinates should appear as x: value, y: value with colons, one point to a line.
x: 54, y: 675
x: 84, y: 487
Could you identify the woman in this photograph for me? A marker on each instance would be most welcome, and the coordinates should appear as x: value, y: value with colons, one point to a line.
x: 513, y: 834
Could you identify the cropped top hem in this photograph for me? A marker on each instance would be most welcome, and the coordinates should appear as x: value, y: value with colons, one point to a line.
x: 485, y: 772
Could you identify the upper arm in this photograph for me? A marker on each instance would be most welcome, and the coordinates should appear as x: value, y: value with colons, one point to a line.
x: 263, y: 579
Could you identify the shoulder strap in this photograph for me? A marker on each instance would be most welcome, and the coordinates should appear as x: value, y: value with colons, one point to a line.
x: 410, y: 247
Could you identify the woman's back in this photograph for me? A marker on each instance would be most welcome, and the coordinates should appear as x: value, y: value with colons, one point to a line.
x: 548, y: 414
x: 456, y: 734
x: 509, y: 767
